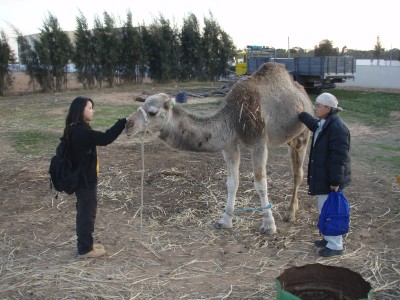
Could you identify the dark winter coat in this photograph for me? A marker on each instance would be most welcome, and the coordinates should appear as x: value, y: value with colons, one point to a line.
x: 83, y: 148
x: 329, y: 160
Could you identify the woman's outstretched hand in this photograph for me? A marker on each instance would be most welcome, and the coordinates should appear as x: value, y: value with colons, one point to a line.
x: 129, y: 120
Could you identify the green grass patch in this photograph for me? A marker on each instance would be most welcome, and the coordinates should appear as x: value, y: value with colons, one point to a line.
x: 368, y: 108
x: 389, y: 153
x: 106, y: 115
x: 380, y: 155
x: 33, y: 142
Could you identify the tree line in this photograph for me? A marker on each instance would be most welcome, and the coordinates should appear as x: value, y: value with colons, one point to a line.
x: 326, y: 48
x: 109, y: 54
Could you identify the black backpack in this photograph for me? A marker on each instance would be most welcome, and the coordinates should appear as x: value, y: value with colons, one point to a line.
x: 63, y: 177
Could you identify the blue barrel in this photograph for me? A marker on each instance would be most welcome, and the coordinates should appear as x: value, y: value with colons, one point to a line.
x: 181, y: 97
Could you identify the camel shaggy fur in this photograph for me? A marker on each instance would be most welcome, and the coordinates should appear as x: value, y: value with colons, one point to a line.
x: 259, y: 111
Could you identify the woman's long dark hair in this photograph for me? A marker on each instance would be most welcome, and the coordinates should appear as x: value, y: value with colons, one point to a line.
x: 75, y: 114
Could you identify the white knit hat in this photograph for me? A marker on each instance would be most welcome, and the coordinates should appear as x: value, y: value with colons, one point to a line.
x: 328, y: 100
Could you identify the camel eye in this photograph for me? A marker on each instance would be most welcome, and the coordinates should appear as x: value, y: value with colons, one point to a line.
x: 152, y: 111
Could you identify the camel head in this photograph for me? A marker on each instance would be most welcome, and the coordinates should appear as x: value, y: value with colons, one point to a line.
x: 151, y: 115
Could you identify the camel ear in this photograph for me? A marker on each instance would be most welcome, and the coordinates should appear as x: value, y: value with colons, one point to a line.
x: 169, y: 104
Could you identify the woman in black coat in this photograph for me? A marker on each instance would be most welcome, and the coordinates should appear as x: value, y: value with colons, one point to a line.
x: 329, y: 161
x: 83, y: 153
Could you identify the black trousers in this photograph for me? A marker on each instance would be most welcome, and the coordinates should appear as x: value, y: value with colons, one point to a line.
x: 86, y: 207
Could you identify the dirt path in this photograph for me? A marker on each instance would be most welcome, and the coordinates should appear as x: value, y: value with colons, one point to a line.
x: 172, y: 251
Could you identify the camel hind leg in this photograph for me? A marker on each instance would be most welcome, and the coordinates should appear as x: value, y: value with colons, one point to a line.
x: 297, y: 152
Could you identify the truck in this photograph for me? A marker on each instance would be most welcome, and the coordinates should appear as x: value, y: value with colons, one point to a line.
x: 313, y: 73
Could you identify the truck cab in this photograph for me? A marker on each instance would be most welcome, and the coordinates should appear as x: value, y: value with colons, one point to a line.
x: 249, y: 60
x: 241, y: 63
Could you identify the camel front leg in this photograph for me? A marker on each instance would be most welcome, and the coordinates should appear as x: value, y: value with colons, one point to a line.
x: 232, y: 158
x: 297, y: 151
x: 259, y: 161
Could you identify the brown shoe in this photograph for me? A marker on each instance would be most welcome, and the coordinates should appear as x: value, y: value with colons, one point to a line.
x: 98, y: 246
x: 96, y: 252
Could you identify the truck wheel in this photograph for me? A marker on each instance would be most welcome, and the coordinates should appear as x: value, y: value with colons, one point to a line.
x: 315, y: 91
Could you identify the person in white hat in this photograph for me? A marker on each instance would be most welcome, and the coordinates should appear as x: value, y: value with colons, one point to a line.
x: 329, y: 166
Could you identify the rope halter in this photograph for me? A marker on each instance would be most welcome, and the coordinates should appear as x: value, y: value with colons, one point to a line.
x: 146, y: 119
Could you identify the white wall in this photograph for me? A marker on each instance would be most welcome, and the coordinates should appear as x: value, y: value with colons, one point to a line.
x: 373, y: 76
x: 375, y: 62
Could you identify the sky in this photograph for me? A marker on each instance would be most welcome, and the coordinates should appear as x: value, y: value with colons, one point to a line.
x: 355, y: 24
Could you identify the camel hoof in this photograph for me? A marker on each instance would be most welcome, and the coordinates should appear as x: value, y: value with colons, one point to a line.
x: 267, y: 230
x: 222, y: 225
x: 290, y: 218
x: 218, y: 225
x: 224, y: 222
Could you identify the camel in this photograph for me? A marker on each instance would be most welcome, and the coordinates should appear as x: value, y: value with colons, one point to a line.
x: 259, y: 111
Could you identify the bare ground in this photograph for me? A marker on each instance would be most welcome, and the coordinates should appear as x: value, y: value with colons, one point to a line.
x: 171, y: 250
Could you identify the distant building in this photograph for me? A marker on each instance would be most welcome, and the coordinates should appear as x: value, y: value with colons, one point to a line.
x: 34, y: 37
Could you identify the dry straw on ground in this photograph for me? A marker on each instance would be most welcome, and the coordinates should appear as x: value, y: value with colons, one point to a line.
x: 177, y: 253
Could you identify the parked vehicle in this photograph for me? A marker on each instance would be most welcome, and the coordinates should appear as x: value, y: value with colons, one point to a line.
x: 314, y: 73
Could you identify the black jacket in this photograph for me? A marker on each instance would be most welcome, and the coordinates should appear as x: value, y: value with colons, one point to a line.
x: 83, y: 148
x: 329, y: 161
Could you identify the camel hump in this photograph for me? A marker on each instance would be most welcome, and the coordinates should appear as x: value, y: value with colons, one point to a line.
x: 270, y: 70
x: 267, y: 96
x: 273, y: 67
x: 244, y: 106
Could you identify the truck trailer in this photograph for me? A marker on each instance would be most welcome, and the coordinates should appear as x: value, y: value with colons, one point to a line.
x: 313, y: 73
